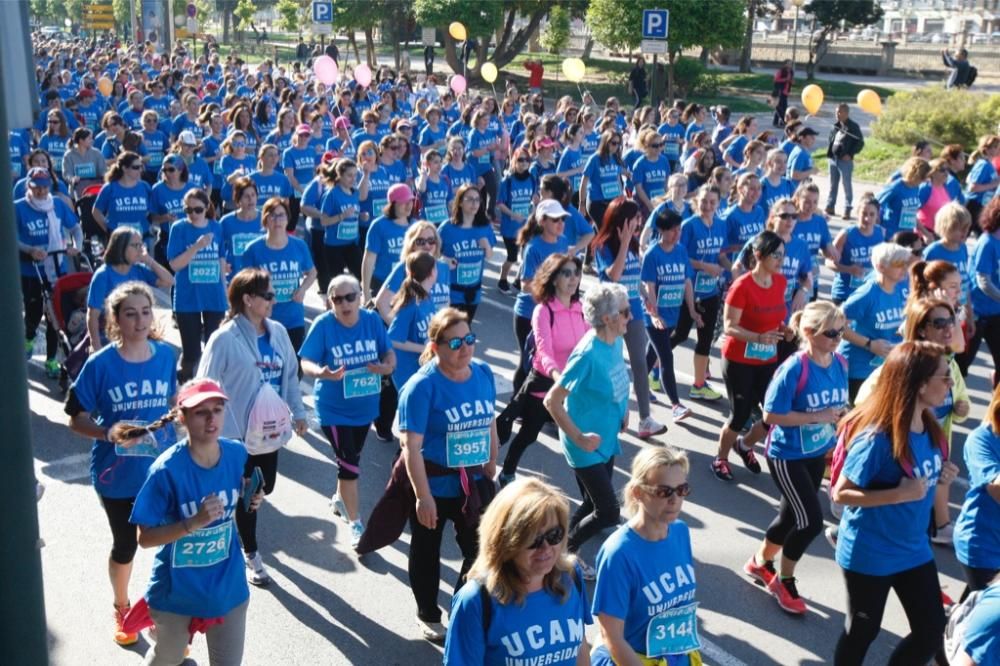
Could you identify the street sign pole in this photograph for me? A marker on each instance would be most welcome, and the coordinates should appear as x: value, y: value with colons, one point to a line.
x: 655, y: 28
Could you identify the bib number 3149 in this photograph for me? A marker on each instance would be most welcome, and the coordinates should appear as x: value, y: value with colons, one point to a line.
x: 674, y: 631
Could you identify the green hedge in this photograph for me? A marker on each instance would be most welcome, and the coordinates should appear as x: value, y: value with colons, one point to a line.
x: 939, y: 115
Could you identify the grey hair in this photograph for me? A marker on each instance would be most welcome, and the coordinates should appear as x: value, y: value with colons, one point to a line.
x: 605, y: 298
x: 342, y: 280
x: 885, y: 254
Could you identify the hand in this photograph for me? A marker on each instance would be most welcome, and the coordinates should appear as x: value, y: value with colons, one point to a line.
x: 379, y: 368
x: 881, y: 348
x: 72, y: 251
x: 204, y: 241
x: 714, y: 270
x: 256, y: 501
x: 770, y: 337
x: 829, y: 415
x: 333, y: 375
x: 588, y: 441
x: 911, y: 489
x: 301, y: 427
x: 657, y: 322
x: 949, y: 471
x: 961, y: 408
x: 799, y: 300
x: 38, y: 254
x: 427, y: 512
x: 857, y: 271
x: 211, y: 510
x: 697, y: 319
x: 299, y: 296
x: 490, y: 469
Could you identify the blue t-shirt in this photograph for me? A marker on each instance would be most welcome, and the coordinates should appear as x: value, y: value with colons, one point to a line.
x: 977, y: 530
x: 816, y: 234
x: 302, y: 162
x: 477, y: 140
x: 796, y: 264
x: 543, y: 630
x: 114, y: 390
x: 856, y: 251
x: 673, y: 137
x: 18, y: 151
x: 200, y: 286
x: 458, y: 177
x: 271, y: 363
x: 652, y: 175
x: 454, y: 418
x: 379, y: 182
x: 287, y: 267
x: 959, y: 257
x: 125, y: 206
x: 429, y: 136
x: 337, y: 202
x: 604, y: 178
x: 352, y: 400
x: 167, y: 200
x: 985, y: 261
x: 228, y: 165
x: 156, y: 144
x: 515, y: 193
x: 106, y: 278
x: 824, y: 388
x: 276, y: 184
x: 535, y: 253
x: 669, y: 272
x: 200, y: 174
x: 313, y: 196
x: 629, y: 279
x: 874, y: 314
x: 576, y: 226
x: 899, y: 205
x: 982, y: 172
x: 799, y: 159
x: 982, y: 629
x: 598, y: 386
x: 569, y: 160
x: 684, y: 212
x: 742, y: 226
x: 410, y: 324
x: 385, y: 239
x: 462, y: 244
x: 237, y: 235
x: 704, y: 243
x: 637, y: 580
x: 56, y: 147
x: 33, y: 228
x: 884, y: 540
x: 770, y: 193
x: 440, y: 292
x: 201, y: 574
x: 435, y: 200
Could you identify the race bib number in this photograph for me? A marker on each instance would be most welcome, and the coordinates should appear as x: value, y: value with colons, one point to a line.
x: 468, y: 447
x: 761, y: 351
x: 704, y: 283
x: 347, y: 230
x: 610, y: 190
x: 204, y: 547
x: 631, y: 284
x: 790, y: 288
x: 816, y: 436
x: 155, y: 160
x: 436, y: 213
x: 85, y: 171
x: 468, y: 274
x: 284, y: 288
x: 240, y: 242
x: 674, y: 631
x: 669, y: 296
x: 145, y: 446
x: 908, y: 219
x: 204, y: 271
x: 217, y: 166
x: 485, y: 159
x: 359, y: 383
x: 18, y: 166
x: 378, y: 205
x: 523, y: 209
x: 671, y: 150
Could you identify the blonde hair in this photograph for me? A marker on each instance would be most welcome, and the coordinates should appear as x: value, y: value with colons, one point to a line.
x: 816, y: 317
x: 113, y: 304
x: 440, y: 322
x: 914, y: 171
x: 511, y: 523
x: 950, y: 216
x: 413, y: 233
x: 643, y: 465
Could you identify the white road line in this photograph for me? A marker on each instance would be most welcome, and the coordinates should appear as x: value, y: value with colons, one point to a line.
x: 69, y: 468
x: 718, y: 655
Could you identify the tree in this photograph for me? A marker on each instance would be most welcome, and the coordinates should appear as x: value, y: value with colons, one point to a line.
x: 556, y: 34
x: 836, y: 15
x: 353, y: 15
x: 756, y: 9
x: 244, y: 11
x: 289, y: 14
x: 719, y: 23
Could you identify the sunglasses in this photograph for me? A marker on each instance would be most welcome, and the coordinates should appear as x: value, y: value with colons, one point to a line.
x: 267, y: 296
x: 169, y: 170
x: 525, y: 160
x: 553, y: 537
x: 656, y: 145
x: 787, y: 216
x: 455, y: 344
x: 194, y: 210
x: 614, y: 144
x: 239, y: 144
x: 569, y: 272
x: 134, y: 167
x: 666, y: 492
x: 625, y: 312
x: 136, y: 246
x: 474, y: 200
x: 779, y: 256
x: 942, y: 323
x: 425, y: 242
x: 833, y: 333
x: 346, y: 298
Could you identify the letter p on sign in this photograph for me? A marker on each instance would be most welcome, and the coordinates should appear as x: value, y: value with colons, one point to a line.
x: 655, y: 23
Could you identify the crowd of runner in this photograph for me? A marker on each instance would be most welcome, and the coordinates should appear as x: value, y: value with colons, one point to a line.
x: 242, y: 189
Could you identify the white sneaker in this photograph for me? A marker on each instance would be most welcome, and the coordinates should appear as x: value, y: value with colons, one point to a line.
x: 338, y: 506
x: 256, y: 573
x: 435, y: 632
x: 679, y: 412
x: 648, y: 427
x: 357, y: 529
x: 831, y: 534
x: 943, y: 536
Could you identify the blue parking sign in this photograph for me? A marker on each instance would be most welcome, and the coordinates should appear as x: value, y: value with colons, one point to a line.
x: 655, y: 23
x: 322, y: 11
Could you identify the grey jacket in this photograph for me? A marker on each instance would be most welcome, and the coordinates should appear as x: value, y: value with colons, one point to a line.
x: 231, y: 358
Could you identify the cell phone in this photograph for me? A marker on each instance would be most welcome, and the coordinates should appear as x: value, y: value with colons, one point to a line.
x: 254, y: 485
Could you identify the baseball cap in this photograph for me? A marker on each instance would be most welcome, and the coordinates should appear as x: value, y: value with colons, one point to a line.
x: 400, y: 193
x: 85, y: 92
x: 404, y: 123
x: 303, y: 129
x: 174, y: 160
x: 39, y: 177
x: 328, y: 157
x: 197, y: 391
x: 550, y: 208
x: 807, y: 131
x: 545, y: 142
x: 342, y: 123
x: 188, y: 138
x: 211, y: 85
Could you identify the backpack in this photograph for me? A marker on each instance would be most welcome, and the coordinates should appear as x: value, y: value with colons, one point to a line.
x: 269, y: 425
x: 970, y: 78
x: 954, y: 632
x: 800, y: 384
x: 529, y: 349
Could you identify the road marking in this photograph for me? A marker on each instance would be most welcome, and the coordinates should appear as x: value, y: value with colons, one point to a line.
x: 66, y: 469
x: 718, y: 655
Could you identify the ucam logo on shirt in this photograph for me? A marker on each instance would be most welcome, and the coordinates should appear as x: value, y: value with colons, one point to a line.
x: 134, y: 396
x: 561, y: 637
x: 480, y: 411
x: 662, y: 593
x: 357, y: 352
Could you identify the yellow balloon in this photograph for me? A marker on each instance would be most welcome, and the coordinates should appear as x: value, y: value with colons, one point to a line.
x: 457, y: 31
x: 812, y: 98
x: 870, y: 102
x: 105, y: 85
x: 574, y: 69
x: 489, y: 72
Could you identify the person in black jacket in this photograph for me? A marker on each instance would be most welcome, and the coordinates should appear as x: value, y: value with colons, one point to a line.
x: 959, y: 66
x: 637, y: 81
x: 846, y: 141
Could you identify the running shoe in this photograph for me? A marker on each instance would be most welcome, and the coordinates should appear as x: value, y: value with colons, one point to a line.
x: 747, y: 455
x: 830, y: 211
x: 721, y: 469
x: 357, y: 529
x: 704, y: 392
x: 786, y: 594
x: 762, y: 574
x: 384, y: 436
x: 943, y: 536
x: 649, y: 427
x: 589, y: 572
x: 503, y: 286
x: 946, y: 601
x: 29, y: 349
x: 120, y: 636
x: 52, y: 368
x: 654, y: 382
x: 434, y: 632
x: 588, y: 269
x: 679, y: 412
x: 338, y: 507
x: 256, y: 573
x: 504, y: 479
x: 831, y: 534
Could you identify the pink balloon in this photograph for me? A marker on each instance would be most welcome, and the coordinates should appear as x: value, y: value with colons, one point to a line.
x: 326, y: 70
x: 459, y: 84
x: 363, y: 75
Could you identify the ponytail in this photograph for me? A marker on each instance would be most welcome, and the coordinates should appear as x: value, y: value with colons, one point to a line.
x: 123, y: 431
x: 530, y: 230
x: 419, y: 267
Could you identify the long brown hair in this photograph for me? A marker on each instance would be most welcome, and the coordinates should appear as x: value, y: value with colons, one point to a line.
x: 907, y: 369
x: 543, y: 285
x: 928, y: 275
x: 917, y: 313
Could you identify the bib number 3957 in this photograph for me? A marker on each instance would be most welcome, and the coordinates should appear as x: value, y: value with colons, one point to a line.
x: 674, y: 631
x: 468, y: 447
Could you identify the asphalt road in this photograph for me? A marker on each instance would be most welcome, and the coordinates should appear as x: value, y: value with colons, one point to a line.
x: 326, y: 606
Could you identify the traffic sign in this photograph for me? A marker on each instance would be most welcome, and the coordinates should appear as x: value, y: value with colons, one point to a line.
x: 655, y: 23
x: 98, y: 25
x: 322, y: 11
x: 653, y: 47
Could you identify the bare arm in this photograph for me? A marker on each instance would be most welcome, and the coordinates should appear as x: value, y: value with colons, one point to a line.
x: 613, y: 632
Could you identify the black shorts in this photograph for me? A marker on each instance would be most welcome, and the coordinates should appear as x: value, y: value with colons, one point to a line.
x: 746, y: 386
x: 510, y: 244
x: 347, y: 443
x: 123, y: 533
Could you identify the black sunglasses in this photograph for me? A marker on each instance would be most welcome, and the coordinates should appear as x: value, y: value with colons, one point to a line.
x: 553, y: 537
x: 656, y: 145
x: 569, y: 272
x: 455, y: 343
x: 666, y: 492
x: 169, y: 169
x: 349, y: 298
x: 267, y: 296
x: 425, y: 242
x: 787, y: 216
x: 194, y: 210
x: 833, y: 333
x: 941, y: 323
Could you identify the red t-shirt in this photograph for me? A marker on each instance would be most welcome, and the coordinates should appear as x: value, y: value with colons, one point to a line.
x: 535, y: 78
x: 763, y: 310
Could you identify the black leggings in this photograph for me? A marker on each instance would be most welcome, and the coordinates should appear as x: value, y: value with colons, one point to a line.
x: 468, y: 308
x: 522, y: 327
x: 124, y: 535
x: 919, y: 593
x: 294, y: 208
x: 424, y: 564
x: 988, y: 329
x: 533, y: 417
x: 976, y: 579
x: 318, y: 250
x: 660, y: 348
x: 388, y: 402
x: 246, y: 521
x: 347, y: 443
x: 600, y: 505
x: 596, y: 210
x: 800, y: 518
x: 709, y: 310
x: 340, y: 258
x: 746, y: 386
x: 489, y: 194
x: 195, y: 328
x: 31, y: 290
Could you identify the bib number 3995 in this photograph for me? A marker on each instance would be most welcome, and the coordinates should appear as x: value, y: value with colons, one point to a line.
x: 674, y: 631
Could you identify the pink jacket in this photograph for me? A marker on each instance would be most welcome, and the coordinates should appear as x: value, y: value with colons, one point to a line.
x: 555, y: 341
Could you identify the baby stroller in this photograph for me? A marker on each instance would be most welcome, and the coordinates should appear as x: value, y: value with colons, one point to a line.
x: 61, y: 307
x: 94, y: 236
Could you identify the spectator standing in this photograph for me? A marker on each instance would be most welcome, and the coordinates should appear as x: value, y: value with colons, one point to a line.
x: 536, y: 70
x: 846, y: 141
x: 637, y: 81
x: 782, y: 88
x: 958, y: 65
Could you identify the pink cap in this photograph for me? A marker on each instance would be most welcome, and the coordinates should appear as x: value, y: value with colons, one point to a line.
x: 303, y: 129
x: 545, y: 142
x: 400, y: 193
x: 342, y: 123
x: 197, y: 391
